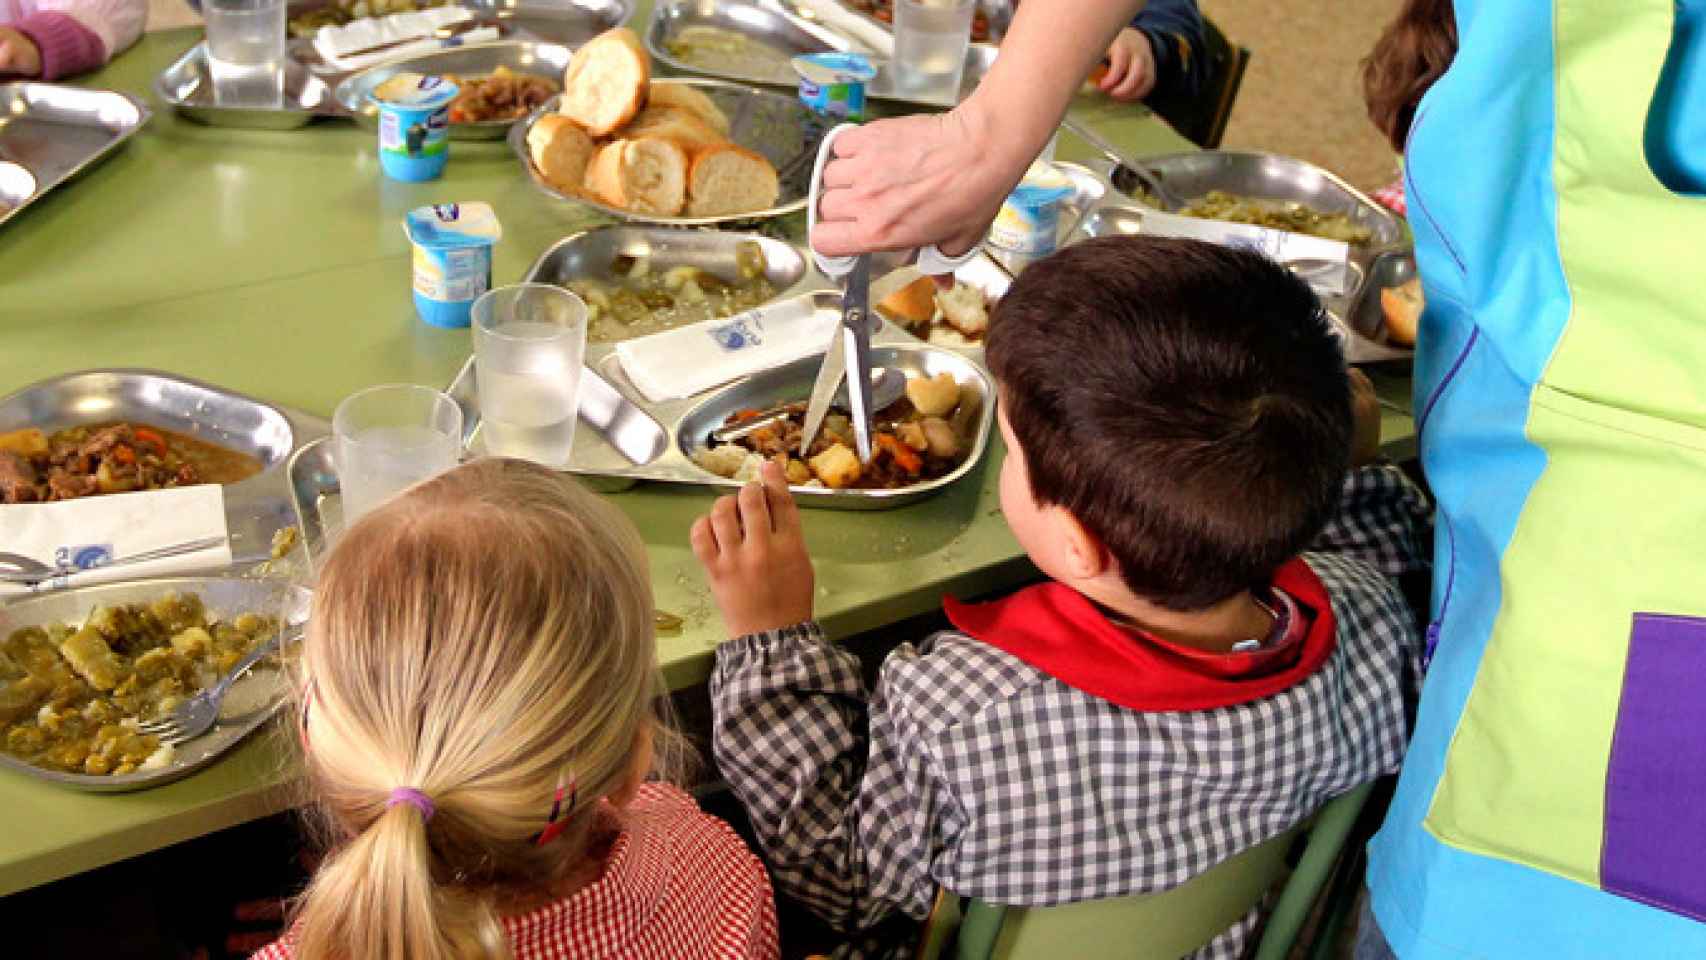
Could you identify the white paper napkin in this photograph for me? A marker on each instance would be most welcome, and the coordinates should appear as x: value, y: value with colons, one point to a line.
x: 1321, y: 262
x: 92, y: 530
x: 849, y: 24
x: 688, y: 360
x: 335, y: 44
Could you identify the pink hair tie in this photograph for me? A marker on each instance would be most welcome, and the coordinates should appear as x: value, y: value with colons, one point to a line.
x: 413, y: 798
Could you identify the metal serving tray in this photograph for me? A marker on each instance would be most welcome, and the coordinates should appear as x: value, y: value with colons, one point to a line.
x: 54, y: 133
x: 255, y: 508
x: 187, y: 85
x: 540, y: 59
x: 780, y: 31
x: 253, y: 700
x: 781, y: 128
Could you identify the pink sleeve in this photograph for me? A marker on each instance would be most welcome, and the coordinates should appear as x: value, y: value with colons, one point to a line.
x: 66, y: 46
x: 116, y: 23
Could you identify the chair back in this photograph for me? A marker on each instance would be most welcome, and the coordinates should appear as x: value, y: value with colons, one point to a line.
x: 1202, y: 119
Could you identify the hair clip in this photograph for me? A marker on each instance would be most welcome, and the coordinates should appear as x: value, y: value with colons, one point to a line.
x: 553, y: 828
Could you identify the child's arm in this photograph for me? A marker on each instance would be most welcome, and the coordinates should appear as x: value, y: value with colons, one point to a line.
x: 835, y: 782
x: 75, y: 36
x: 1382, y: 517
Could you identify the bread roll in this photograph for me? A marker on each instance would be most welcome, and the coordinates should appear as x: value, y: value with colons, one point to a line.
x: 560, y: 150
x: 1403, y: 306
x: 913, y: 305
x: 672, y: 123
x: 646, y: 176
x: 727, y: 179
x: 682, y: 96
x: 606, y: 82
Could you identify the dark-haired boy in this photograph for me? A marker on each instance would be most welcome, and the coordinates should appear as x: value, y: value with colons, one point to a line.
x: 1221, y: 646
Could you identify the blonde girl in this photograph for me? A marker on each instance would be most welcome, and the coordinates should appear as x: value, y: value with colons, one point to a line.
x: 477, y: 717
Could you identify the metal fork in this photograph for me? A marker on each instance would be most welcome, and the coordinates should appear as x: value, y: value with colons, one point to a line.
x: 198, y: 714
x: 28, y: 570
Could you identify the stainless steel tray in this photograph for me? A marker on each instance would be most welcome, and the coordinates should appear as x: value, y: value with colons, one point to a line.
x: 541, y: 59
x: 255, y: 508
x: 252, y: 701
x: 780, y: 127
x: 632, y: 440
x: 54, y: 133
x: 780, y: 31
x: 188, y: 87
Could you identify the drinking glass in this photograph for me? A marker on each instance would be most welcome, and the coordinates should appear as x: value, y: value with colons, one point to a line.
x: 930, y: 41
x: 390, y: 438
x: 529, y: 340
x: 245, y: 51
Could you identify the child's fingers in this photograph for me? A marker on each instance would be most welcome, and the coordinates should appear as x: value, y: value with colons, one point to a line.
x: 1119, y: 59
x: 754, y: 511
x: 725, y: 523
x: 784, y: 512
x: 703, y: 541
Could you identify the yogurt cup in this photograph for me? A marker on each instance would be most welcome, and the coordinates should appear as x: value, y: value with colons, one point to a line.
x: 452, y: 258
x: 833, y: 84
x: 1029, y: 221
x: 414, y: 126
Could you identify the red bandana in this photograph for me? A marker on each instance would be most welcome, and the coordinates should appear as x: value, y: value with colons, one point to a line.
x: 1060, y: 632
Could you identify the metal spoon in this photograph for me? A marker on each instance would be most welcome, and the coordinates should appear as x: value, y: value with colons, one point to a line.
x: 887, y: 386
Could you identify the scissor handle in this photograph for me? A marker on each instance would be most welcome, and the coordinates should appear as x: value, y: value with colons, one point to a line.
x: 931, y: 260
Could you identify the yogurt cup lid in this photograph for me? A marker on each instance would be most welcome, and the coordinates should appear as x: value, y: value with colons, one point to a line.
x: 835, y: 67
x: 412, y: 90
x: 443, y: 225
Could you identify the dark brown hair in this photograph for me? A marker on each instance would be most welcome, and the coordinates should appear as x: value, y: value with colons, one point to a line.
x: 1187, y: 403
x: 1412, y: 53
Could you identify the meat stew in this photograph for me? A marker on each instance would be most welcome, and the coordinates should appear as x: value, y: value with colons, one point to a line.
x: 111, y: 458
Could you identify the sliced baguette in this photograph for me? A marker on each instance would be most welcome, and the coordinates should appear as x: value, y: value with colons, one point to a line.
x: 645, y: 176
x: 727, y: 179
x: 912, y: 305
x: 683, y: 96
x: 672, y: 123
x: 561, y: 151
x: 1403, y: 307
x: 606, y: 82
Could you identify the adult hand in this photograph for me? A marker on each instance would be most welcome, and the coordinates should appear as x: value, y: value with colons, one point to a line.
x: 1131, y: 67
x: 754, y: 554
x: 907, y: 182
x: 19, y: 55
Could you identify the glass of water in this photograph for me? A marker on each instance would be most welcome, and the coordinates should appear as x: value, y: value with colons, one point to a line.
x: 245, y: 51
x: 930, y: 41
x: 390, y: 438
x: 529, y: 340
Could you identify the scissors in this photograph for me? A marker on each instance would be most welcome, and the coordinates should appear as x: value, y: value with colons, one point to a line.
x: 848, y: 355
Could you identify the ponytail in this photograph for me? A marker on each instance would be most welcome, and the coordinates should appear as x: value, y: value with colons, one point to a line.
x: 375, y: 899
x: 1412, y: 53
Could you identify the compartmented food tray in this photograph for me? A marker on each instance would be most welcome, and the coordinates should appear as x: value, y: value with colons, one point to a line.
x: 50, y: 133
x: 256, y: 508
x: 187, y: 85
x: 771, y: 34
x: 252, y: 701
x: 779, y: 127
x: 540, y: 59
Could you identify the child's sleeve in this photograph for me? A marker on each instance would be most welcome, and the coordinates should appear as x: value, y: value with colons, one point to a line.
x: 80, y: 35
x: 844, y: 799
x: 1176, y: 33
x: 1382, y: 520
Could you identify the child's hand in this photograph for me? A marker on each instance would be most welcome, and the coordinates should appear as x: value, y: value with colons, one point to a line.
x: 19, y: 55
x: 1365, y: 420
x: 1131, y: 67
x: 755, y: 557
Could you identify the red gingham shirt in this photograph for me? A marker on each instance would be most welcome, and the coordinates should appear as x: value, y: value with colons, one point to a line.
x: 678, y: 885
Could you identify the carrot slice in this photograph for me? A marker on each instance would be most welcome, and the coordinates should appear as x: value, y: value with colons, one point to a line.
x: 151, y: 438
x: 124, y: 454
x: 903, y: 455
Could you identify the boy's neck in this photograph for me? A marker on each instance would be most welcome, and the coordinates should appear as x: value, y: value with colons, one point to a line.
x: 1215, y: 629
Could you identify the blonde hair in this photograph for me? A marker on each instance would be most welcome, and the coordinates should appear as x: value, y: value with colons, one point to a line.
x: 480, y: 638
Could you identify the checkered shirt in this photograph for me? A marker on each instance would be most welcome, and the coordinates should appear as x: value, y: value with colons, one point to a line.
x: 678, y: 884
x: 971, y: 770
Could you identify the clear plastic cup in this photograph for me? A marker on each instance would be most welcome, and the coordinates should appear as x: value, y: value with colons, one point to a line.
x: 390, y: 438
x: 529, y: 342
x: 930, y: 41
x: 245, y: 51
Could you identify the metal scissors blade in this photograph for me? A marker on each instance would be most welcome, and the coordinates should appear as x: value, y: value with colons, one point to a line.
x: 856, y: 346
x: 829, y: 377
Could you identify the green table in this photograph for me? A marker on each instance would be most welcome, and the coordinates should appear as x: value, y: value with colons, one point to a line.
x: 274, y: 263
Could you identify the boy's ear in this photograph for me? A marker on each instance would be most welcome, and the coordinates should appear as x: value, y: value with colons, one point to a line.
x: 1085, y: 556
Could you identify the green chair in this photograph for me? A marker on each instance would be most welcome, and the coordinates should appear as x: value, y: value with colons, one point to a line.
x: 1163, y: 926
x: 1202, y: 119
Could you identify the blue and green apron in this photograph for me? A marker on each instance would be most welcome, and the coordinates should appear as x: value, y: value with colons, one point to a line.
x: 1553, y: 801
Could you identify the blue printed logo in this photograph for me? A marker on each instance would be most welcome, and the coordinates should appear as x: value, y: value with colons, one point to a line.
x: 735, y: 335
x: 83, y: 556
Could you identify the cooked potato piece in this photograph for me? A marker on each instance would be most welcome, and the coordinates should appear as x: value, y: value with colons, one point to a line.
x: 943, y: 441
x: 89, y: 655
x: 964, y: 309
x: 192, y: 643
x: 20, y: 696
x: 797, y: 472
x: 935, y: 397
x: 837, y: 467
x: 912, y: 435
x: 29, y: 442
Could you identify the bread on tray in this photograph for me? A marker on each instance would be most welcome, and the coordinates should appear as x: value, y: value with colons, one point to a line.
x: 1402, y: 306
x: 561, y: 150
x: 690, y: 99
x: 646, y: 176
x: 672, y: 123
x: 726, y: 179
x: 606, y: 82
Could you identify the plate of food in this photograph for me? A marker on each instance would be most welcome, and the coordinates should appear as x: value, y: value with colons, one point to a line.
x: 957, y: 317
x: 675, y: 152
x: 81, y: 669
x: 498, y: 84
